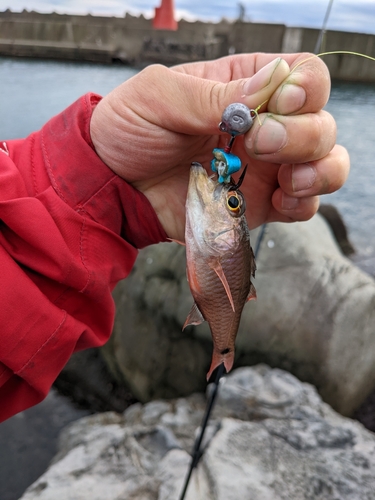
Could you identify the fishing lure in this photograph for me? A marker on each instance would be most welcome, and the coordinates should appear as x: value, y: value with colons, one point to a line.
x: 237, y: 119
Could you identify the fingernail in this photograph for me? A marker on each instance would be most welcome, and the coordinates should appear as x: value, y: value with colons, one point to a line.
x: 303, y: 177
x: 291, y: 99
x: 261, y: 79
x: 288, y: 202
x: 270, y: 138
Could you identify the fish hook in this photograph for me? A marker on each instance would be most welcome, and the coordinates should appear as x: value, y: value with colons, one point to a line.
x: 240, y: 180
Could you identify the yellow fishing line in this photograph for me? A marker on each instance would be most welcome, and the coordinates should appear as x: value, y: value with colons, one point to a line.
x: 255, y: 111
x: 347, y: 52
x: 333, y: 52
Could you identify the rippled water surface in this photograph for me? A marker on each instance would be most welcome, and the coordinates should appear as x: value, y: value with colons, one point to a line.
x: 32, y: 91
x: 353, y: 107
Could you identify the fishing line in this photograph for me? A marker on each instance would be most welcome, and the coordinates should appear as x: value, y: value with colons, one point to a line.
x: 259, y: 240
x: 197, y: 452
x: 348, y: 52
x: 333, y: 52
x: 319, y: 42
x: 254, y: 112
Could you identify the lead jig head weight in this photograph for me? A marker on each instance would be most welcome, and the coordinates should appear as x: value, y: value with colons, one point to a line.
x: 237, y: 119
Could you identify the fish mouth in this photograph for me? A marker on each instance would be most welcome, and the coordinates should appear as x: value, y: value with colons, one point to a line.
x: 198, y: 174
x: 200, y: 183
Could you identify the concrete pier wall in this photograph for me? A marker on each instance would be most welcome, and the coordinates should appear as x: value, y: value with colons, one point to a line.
x: 344, y: 66
x: 132, y: 40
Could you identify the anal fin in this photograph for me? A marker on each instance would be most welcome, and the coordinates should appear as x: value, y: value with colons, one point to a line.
x: 252, y: 293
x: 195, y: 317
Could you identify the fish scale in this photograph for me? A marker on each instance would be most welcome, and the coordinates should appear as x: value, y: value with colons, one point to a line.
x: 225, y: 325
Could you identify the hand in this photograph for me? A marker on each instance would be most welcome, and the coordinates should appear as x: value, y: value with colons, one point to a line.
x: 150, y: 129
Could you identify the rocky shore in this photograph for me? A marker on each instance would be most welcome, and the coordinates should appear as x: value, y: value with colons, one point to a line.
x: 270, y: 438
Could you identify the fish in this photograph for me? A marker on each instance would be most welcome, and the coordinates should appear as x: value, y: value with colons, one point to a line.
x: 219, y: 260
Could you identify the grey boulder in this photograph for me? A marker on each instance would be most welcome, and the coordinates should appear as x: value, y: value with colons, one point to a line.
x: 270, y: 438
x: 314, y: 316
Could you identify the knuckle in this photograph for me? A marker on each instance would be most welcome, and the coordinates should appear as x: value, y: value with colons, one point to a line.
x: 313, y: 74
x: 321, y: 136
x: 215, y: 95
x: 307, y: 208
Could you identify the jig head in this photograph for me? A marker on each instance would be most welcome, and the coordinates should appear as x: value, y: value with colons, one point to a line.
x: 237, y: 119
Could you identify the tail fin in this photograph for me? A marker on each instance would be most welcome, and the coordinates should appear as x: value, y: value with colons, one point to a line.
x: 226, y: 356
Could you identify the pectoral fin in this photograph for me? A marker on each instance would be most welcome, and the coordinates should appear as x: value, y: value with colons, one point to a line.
x: 252, y: 294
x: 195, y: 317
x: 177, y: 241
x: 217, y: 267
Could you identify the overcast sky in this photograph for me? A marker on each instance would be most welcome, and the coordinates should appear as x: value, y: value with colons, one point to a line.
x: 346, y: 15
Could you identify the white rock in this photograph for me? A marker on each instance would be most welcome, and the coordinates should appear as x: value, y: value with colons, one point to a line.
x: 272, y: 439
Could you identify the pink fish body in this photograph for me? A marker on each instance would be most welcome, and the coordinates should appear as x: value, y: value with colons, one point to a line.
x: 220, y: 261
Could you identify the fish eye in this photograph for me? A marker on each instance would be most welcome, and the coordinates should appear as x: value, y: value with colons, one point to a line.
x: 234, y: 203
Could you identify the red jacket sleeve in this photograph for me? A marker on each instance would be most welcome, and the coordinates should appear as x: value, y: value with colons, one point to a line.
x: 69, y: 231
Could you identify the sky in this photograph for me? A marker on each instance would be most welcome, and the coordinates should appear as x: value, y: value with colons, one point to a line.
x: 346, y: 15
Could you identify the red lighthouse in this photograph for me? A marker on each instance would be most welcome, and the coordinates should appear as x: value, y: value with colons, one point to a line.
x: 164, y: 16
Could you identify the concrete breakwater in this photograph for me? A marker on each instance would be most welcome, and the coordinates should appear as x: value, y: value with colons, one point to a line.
x: 131, y: 40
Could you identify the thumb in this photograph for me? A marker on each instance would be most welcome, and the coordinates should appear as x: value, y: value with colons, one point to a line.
x: 191, y: 105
